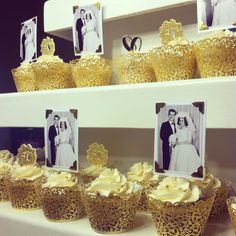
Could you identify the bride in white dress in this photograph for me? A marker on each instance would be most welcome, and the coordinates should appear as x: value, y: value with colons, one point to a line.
x: 65, y: 156
x: 91, y: 38
x: 29, y: 44
x: 184, y: 157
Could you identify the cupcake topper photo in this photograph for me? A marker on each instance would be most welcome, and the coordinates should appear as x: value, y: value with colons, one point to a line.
x: 170, y: 30
x: 26, y: 155
x: 97, y: 154
x: 132, y: 44
x: 47, y: 46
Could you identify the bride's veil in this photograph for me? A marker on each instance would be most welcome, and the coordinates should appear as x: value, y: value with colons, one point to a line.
x: 186, y: 115
x: 68, y: 126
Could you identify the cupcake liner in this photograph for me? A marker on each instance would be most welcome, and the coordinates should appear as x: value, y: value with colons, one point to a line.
x: 62, y: 203
x: 25, y: 194
x: 52, y: 75
x: 216, y: 57
x: 135, y: 68
x: 3, y: 189
x: 232, y: 212
x: 181, y: 218
x: 219, y: 204
x: 89, y: 72
x: 24, y: 79
x: 173, y: 62
x: 113, y: 214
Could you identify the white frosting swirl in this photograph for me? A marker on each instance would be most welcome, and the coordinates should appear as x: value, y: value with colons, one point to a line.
x: 178, y: 41
x: 93, y: 170
x: 141, y: 172
x: 112, y: 182
x: 233, y: 205
x: 26, y: 172
x: 6, y: 156
x: 173, y: 189
x: 5, y: 168
x: 62, y: 179
x: 49, y: 58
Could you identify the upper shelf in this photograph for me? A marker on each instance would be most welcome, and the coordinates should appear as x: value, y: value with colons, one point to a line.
x: 122, y: 106
x: 58, y: 15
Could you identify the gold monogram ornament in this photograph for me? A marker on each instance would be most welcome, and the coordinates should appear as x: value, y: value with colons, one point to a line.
x: 47, y: 46
x: 97, y: 154
x: 26, y: 155
x: 170, y: 30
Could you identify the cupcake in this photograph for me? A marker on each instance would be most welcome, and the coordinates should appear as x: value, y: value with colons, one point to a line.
x: 135, y: 67
x: 111, y: 202
x: 24, y: 77
x: 97, y: 156
x: 50, y: 71
x: 175, y: 60
x: 231, y: 203
x: 61, y: 197
x: 25, y: 180
x: 216, y: 54
x: 179, y: 207
x: 143, y: 174
x: 6, y: 161
x: 90, y: 71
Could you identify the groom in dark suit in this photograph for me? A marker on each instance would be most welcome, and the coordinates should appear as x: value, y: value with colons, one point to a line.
x: 79, y: 24
x: 52, y: 133
x: 167, y: 129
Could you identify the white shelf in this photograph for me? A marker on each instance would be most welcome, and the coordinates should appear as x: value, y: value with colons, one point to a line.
x: 15, y: 222
x: 58, y: 16
x: 122, y: 106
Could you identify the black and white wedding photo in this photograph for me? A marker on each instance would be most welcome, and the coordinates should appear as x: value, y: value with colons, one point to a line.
x: 28, y: 40
x: 216, y: 14
x: 61, y: 140
x: 179, y: 148
x: 87, y: 29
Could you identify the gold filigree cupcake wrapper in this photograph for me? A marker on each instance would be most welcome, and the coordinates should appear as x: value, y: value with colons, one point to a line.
x: 4, y: 196
x: 232, y: 212
x: 181, y: 218
x: 90, y: 72
x: 62, y: 204
x: 113, y: 214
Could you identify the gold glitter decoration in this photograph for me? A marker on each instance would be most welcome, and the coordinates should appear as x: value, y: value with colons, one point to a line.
x: 113, y: 214
x: 216, y: 57
x: 91, y: 71
x: 202, y: 26
x: 3, y: 189
x: 52, y: 75
x: 48, y: 46
x: 134, y: 67
x: 181, y: 218
x: 97, y: 154
x: 232, y: 212
x: 170, y: 30
x: 219, y: 204
x: 25, y: 194
x: 26, y: 155
x: 62, y: 203
x: 24, y: 79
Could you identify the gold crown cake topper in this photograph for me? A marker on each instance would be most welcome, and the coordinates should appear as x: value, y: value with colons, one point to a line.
x: 170, y: 30
x: 97, y: 154
x: 26, y: 155
x: 47, y: 46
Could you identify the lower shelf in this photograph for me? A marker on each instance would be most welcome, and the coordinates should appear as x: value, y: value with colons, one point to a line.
x: 14, y: 222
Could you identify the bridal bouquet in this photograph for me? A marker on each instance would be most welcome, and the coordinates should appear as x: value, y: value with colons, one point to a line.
x: 172, y: 140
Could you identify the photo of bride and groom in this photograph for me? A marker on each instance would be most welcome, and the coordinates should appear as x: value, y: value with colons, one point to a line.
x: 28, y: 39
x: 61, y: 140
x: 87, y: 30
x: 180, y: 145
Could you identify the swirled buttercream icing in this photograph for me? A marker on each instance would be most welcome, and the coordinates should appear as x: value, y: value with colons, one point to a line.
x: 173, y: 189
x: 60, y: 179
x: 93, y: 170
x: 112, y: 182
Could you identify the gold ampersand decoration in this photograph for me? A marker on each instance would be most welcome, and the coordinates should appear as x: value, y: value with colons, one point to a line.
x: 170, y: 30
x: 47, y: 46
x: 26, y: 155
x: 97, y: 154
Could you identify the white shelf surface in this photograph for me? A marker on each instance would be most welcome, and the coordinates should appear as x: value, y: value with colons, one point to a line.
x: 122, y: 106
x: 58, y: 13
x: 15, y: 222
